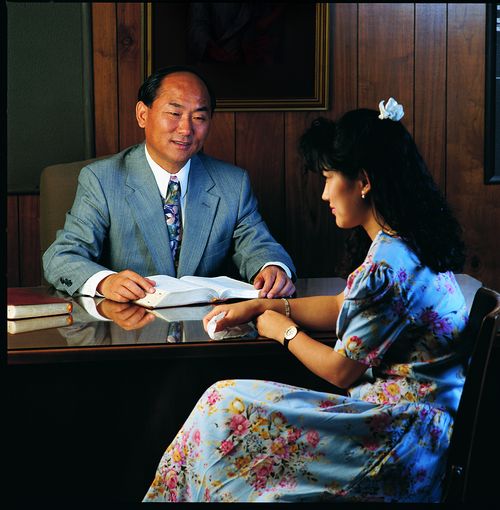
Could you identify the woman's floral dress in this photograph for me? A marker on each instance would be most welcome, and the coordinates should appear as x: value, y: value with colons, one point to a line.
x: 250, y: 440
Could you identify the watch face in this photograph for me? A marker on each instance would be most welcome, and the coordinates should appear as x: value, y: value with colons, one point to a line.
x: 290, y: 332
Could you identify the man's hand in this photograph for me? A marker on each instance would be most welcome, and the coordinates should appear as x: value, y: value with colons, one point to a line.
x: 125, y: 286
x: 127, y: 315
x: 273, y: 282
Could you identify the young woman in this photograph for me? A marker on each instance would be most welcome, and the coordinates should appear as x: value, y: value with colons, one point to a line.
x: 398, y: 352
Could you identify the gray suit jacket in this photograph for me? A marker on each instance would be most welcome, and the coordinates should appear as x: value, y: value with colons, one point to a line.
x: 117, y: 223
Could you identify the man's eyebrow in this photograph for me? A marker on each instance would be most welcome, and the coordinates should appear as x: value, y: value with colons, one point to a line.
x: 177, y: 105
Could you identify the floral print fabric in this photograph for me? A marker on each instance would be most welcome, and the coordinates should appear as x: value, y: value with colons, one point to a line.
x: 249, y: 440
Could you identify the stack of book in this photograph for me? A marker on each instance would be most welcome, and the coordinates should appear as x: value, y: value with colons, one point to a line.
x: 33, y: 308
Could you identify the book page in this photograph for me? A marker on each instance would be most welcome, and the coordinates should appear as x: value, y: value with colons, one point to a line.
x: 172, y: 291
x: 225, y: 287
x: 171, y: 284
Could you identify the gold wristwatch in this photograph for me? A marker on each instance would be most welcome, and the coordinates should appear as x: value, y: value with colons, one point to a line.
x: 290, y: 333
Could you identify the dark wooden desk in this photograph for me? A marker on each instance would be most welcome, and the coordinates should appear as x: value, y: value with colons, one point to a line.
x: 89, y: 418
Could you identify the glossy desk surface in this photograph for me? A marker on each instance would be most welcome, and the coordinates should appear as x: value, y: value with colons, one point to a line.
x: 89, y: 338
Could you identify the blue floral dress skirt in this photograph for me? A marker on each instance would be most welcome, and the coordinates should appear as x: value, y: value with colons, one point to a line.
x: 250, y: 440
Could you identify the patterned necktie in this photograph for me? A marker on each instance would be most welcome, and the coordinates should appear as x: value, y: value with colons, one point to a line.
x: 172, y: 210
x: 174, y: 335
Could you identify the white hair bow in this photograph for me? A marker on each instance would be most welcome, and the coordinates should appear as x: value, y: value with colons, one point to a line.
x: 392, y: 110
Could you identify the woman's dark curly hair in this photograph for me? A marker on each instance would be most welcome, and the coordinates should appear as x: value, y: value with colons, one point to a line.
x: 403, y: 192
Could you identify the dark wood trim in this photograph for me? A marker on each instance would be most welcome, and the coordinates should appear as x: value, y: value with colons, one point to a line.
x: 223, y: 348
x: 386, y: 56
x: 105, y: 78
x: 220, y: 142
x: 430, y: 75
x: 476, y: 204
x: 29, y: 241
x: 13, y: 254
x: 259, y: 141
x: 130, y: 47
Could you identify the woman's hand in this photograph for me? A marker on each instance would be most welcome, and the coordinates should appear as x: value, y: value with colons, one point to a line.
x: 236, y: 313
x: 273, y: 325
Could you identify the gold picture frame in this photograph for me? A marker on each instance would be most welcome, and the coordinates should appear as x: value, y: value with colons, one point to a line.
x: 282, y: 65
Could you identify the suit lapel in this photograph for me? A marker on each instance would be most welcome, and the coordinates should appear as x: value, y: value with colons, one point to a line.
x: 201, y: 206
x: 146, y: 209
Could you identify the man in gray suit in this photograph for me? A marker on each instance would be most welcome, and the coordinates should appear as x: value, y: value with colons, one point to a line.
x: 116, y: 234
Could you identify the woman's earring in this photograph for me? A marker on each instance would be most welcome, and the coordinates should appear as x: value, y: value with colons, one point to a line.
x: 363, y: 195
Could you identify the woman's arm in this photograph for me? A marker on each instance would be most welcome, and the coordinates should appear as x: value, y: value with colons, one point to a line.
x: 316, y: 313
x: 316, y: 356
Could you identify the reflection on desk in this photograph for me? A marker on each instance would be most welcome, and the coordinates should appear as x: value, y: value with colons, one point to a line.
x: 92, y: 335
x: 174, y: 325
x: 168, y: 325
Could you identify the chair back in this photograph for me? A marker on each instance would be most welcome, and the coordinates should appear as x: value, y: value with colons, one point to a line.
x: 479, y: 336
x: 58, y: 185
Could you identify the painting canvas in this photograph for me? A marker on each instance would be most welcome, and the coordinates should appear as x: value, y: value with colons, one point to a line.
x: 257, y: 56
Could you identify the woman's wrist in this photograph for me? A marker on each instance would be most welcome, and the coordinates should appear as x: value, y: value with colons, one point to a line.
x: 288, y: 310
x: 261, y: 305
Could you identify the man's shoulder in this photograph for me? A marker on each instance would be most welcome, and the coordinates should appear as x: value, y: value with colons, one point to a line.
x: 117, y: 161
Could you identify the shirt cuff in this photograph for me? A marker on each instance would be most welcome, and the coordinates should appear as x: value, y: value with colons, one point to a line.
x: 279, y: 264
x: 90, y: 306
x: 89, y: 288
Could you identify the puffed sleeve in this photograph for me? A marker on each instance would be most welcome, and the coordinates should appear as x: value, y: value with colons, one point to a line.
x: 372, y: 316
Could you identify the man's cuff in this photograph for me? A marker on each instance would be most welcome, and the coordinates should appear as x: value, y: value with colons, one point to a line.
x: 279, y: 264
x: 90, y: 306
x: 89, y: 288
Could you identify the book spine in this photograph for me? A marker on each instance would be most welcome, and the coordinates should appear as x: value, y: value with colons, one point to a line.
x: 25, y: 325
x: 41, y: 310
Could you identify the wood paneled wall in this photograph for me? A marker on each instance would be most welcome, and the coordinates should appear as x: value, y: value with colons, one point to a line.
x: 430, y: 57
x: 23, y: 241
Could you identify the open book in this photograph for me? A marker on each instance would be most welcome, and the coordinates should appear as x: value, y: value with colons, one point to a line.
x: 190, y: 290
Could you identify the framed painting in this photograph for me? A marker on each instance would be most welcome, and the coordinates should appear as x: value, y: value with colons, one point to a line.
x: 492, y: 99
x: 257, y: 56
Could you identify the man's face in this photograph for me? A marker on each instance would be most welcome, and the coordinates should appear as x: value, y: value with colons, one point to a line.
x: 177, y: 123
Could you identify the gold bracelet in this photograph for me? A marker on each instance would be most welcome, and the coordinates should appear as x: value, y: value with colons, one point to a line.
x: 287, y: 307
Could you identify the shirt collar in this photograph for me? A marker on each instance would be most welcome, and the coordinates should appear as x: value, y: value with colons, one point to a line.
x: 163, y: 177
